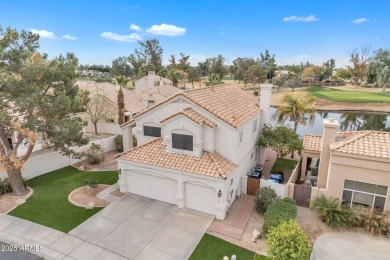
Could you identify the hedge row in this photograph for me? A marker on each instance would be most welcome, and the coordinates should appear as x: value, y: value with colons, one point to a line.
x: 277, y: 212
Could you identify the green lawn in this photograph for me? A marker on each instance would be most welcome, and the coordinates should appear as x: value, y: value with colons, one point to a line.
x: 49, y: 205
x: 285, y: 165
x: 349, y: 96
x: 211, y: 247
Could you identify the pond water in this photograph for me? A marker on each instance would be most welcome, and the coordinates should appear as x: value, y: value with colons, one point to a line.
x: 349, y: 121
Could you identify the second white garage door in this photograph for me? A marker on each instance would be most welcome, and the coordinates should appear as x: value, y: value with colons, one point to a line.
x: 200, y: 197
x: 151, y: 186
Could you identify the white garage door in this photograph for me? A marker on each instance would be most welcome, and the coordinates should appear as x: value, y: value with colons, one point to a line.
x: 199, y: 197
x: 152, y: 186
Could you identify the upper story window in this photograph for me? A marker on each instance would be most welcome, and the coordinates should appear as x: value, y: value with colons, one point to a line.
x: 241, y: 136
x: 152, y: 131
x: 183, y: 142
x: 254, y: 127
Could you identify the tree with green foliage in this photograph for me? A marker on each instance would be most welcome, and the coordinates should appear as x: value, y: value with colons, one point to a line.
x: 280, y: 81
x: 122, y: 82
x: 149, y: 52
x: 288, y: 242
x: 359, y: 60
x: 217, y: 66
x: 175, y: 75
x: 282, y: 139
x: 38, y: 98
x: 293, y: 81
x: 267, y: 61
x: 241, y: 66
x: 143, y: 71
x: 204, y: 68
x: 214, y: 79
x: 121, y: 66
x: 255, y: 74
x: 297, y: 110
x: 379, y: 69
x: 194, y: 74
x: 328, y: 66
x: 343, y: 74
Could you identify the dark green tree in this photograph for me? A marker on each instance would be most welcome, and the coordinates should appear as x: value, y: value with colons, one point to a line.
x: 282, y: 139
x: 328, y: 66
x: 121, y: 66
x: 267, y: 61
x: 37, y: 98
x: 149, y: 52
x: 194, y: 74
x: 217, y: 66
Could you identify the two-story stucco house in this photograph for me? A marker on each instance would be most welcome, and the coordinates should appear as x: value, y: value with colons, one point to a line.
x: 195, y: 147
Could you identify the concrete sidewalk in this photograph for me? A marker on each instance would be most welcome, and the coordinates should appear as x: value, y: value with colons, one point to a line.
x: 47, y: 242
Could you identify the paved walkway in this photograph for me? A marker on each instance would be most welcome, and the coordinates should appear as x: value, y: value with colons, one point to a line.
x: 143, y: 228
x: 350, y: 246
x: 49, y: 243
x: 233, y: 226
x: 269, y: 163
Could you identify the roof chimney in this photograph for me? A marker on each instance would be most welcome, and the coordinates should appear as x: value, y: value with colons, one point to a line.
x: 328, y: 137
x: 265, y: 104
x: 150, y: 79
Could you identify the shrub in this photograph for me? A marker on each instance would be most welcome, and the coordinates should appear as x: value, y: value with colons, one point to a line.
x: 256, y: 93
x: 371, y: 221
x: 93, y: 183
x: 314, y: 171
x: 95, y: 154
x: 332, y: 213
x: 288, y: 241
x: 277, y: 212
x: 5, y: 187
x: 289, y: 200
x: 118, y: 140
x: 264, y: 197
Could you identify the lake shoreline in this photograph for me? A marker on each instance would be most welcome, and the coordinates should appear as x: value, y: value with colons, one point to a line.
x: 343, y: 109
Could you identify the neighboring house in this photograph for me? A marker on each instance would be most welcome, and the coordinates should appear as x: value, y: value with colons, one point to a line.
x: 136, y: 101
x: 151, y: 80
x: 280, y: 73
x: 354, y: 166
x: 93, y: 73
x: 195, y: 148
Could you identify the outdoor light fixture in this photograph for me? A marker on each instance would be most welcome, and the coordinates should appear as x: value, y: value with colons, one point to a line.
x: 219, y: 193
x: 119, y: 171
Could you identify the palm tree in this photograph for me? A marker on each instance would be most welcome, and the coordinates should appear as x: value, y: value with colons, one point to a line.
x: 300, y: 111
x: 122, y: 82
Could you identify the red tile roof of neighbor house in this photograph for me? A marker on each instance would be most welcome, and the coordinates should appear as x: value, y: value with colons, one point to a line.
x: 229, y: 103
x: 370, y: 143
x: 135, y: 102
x: 154, y: 153
x: 193, y: 115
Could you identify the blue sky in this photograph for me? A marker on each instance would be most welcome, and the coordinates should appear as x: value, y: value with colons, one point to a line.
x: 100, y: 31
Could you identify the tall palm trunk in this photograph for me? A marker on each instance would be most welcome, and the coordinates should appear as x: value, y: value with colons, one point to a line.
x: 295, y: 131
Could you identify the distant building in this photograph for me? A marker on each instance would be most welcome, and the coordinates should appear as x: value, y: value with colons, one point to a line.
x: 280, y: 73
x: 151, y: 80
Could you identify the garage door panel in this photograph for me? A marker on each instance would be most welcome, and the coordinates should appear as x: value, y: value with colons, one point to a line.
x: 200, y: 198
x: 152, y: 186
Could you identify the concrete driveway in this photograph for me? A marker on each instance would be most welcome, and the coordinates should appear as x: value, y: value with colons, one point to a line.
x: 350, y: 245
x: 140, y: 228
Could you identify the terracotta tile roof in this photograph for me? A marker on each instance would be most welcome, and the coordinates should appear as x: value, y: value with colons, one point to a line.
x: 135, y: 102
x: 229, y: 103
x: 312, y: 142
x: 370, y: 143
x: 154, y: 153
x: 193, y: 115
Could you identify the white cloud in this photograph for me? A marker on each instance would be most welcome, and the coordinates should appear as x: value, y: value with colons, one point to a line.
x: 166, y: 29
x: 360, y: 20
x: 120, y: 37
x: 44, y: 34
x: 135, y: 27
x: 293, y: 18
x: 69, y: 37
